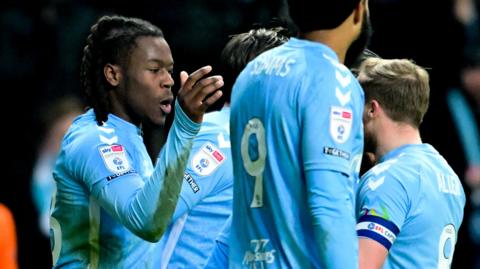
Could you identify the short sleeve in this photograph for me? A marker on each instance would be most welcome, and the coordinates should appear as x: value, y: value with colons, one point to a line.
x: 382, y: 206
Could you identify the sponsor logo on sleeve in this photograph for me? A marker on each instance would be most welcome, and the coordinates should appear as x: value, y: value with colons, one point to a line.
x: 115, y: 158
x: 207, y: 159
x: 191, y: 181
x: 340, y: 123
x: 112, y: 177
x: 336, y: 152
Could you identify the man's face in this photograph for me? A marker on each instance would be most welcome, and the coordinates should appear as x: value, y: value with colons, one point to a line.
x: 357, y: 47
x: 147, y: 94
x: 370, y: 140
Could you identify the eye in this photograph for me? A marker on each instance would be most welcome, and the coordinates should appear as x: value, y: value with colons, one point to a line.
x: 154, y: 70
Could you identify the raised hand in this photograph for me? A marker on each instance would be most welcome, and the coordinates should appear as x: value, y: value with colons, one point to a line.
x: 194, y: 90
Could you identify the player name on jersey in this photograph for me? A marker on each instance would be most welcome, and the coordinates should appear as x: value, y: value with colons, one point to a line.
x: 448, y: 184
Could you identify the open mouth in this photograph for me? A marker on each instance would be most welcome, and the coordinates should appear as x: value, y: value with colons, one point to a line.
x: 166, y: 105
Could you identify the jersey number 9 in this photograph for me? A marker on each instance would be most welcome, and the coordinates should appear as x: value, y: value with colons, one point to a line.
x: 256, y: 167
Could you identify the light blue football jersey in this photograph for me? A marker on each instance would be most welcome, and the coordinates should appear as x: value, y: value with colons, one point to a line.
x: 205, y: 200
x: 219, y: 257
x: 297, y: 140
x: 412, y: 203
x: 109, y: 196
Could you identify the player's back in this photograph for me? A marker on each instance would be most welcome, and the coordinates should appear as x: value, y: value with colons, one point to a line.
x: 435, y: 215
x: 428, y: 212
x: 278, y: 101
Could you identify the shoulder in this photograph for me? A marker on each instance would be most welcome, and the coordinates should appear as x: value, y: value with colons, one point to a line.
x: 84, y: 133
x: 393, y: 173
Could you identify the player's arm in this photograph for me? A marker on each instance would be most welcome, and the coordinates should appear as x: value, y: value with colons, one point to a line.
x: 371, y: 254
x: 326, y: 163
x: 331, y: 209
x: 381, y: 210
x: 146, y: 209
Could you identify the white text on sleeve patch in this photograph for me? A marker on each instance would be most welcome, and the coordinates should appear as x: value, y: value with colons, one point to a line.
x: 115, y: 158
x: 340, y: 123
x: 207, y: 159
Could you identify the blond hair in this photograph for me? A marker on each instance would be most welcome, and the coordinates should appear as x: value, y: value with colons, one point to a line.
x: 399, y: 85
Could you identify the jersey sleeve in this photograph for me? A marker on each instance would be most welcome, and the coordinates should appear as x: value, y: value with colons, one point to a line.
x: 208, y: 169
x: 144, y: 208
x: 98, y: 163
x: 382, y: 206
x: 329, y: 123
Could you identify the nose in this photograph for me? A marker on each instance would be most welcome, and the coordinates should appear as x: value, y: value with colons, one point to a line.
x: 168, y: 82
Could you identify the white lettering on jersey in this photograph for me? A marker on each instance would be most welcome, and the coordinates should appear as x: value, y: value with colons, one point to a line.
x: 259, y: 254
x: 278, y: 66
x: 448, y: 184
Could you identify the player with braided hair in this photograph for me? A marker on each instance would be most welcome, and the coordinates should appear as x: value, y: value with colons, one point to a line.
x: 110, y: 200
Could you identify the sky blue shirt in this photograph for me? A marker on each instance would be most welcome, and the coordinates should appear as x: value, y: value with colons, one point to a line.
x: 110, y: 199
x: 412, y: 203
x: 297, y: 141
x: 219, y: 257
x: 206, y: 197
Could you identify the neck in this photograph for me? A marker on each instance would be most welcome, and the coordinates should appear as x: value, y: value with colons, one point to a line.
x: 394, y: 135
x: 338, y: 39
x: 331, y: 39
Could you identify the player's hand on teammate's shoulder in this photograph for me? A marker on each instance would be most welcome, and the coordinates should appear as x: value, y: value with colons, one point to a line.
x: 198, y: 92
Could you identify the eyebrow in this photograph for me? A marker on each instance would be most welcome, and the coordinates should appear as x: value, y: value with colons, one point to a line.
x: 160, y: 62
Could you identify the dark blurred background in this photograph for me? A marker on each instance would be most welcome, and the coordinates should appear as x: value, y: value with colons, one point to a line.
x: 40, y: 50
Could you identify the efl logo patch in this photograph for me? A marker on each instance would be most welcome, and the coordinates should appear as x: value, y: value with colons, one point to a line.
x: 207, y: 159
x: 340, y: 123
x: 115, y: 158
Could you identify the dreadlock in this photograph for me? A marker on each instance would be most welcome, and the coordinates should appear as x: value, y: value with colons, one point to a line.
x: 110, y: 40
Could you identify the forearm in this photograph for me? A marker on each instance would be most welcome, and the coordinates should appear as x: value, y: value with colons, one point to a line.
x: 147, y: 209
x: 333, y: 218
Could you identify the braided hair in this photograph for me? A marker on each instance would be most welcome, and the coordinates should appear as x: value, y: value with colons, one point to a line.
x: 111, y: 40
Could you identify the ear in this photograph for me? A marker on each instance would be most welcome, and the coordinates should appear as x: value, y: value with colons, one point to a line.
x: 372, y: 108
x: 358, y: 13
x: 112, y: 74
